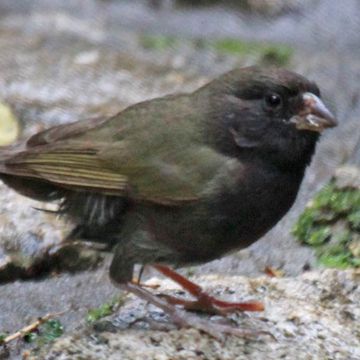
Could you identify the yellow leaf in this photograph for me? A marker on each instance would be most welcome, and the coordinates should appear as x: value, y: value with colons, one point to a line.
x: 9, y: 125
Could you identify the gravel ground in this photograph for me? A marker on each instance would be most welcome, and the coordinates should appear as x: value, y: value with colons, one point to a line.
x: 313, y: 316
x: 62, y: 60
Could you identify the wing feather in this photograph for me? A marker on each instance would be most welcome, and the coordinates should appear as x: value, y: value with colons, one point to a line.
x: 133, y: 155
x: 69, y: 168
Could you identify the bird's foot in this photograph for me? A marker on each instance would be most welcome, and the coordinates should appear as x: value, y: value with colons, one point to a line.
x: 184, y: 319
x: 150, y: 286
x: 204, y: 302
x: 209, y: 304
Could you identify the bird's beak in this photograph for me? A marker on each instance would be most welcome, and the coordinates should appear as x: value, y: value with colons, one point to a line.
x: 314, y: 115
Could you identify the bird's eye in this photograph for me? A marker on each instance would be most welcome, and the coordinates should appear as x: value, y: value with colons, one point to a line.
x: 273, y: 101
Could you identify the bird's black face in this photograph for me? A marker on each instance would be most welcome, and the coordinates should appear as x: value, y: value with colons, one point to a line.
x: 275, y: 113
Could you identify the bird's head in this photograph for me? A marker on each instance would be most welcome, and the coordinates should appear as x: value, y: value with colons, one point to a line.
x: 274, y: 113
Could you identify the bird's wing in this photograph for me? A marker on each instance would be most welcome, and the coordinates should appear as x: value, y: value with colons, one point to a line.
x: 176, y: 176
x: 50, y: 156
x: 82, y: 157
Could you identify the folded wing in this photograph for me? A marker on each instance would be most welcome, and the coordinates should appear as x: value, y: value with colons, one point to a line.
x: 65, y: 157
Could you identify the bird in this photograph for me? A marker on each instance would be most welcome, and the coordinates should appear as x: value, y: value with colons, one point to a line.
x: 179, y: 180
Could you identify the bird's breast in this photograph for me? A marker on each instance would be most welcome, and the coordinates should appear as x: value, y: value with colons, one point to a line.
x: 233, y: 215
x: 239, y: 215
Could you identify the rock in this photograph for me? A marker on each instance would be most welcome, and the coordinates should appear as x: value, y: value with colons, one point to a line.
x: 348, y: 176
x: 313, y: 316
x: 31, y: 241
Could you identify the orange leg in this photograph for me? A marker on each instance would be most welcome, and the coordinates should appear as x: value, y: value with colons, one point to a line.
x: 137, y: 280
x: 203, y: 302
x: 185, y: 319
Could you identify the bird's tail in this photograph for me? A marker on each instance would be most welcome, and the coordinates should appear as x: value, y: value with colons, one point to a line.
x: 25, y: 185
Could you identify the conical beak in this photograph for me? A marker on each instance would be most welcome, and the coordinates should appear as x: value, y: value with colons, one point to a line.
x: 314, y: 116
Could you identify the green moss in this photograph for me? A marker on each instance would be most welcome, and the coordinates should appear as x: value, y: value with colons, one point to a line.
x: 158, y: 42
x: 337, y: 200
x: 2, y: 337
x: 265, y: 53
x: 51, y: 330
x: 316, y: 226
x: 275, y: 54
x: 279, y: 55
x: 305, y: 225
x: 45, y: 333
x: 30, y: 337
x: 354, y: 220
x: 104, y: 310
x: 341, y: 260
x: 355, y: 262
x: 319, y: 236
x: 234, y: 46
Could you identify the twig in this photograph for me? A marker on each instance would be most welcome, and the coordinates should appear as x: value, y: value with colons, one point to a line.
x: 29, y: 328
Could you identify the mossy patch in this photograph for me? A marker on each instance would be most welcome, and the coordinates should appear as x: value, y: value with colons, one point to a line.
x: 276, y: 54
x: 45, y: 333
x: 104, y: 310
x: 38, y: 334
x: 264, y: 53
x: 331, y: 224
x: 2, y: 337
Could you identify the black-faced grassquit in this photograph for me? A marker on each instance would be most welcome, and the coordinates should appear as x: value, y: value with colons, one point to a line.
x: 182, y: 179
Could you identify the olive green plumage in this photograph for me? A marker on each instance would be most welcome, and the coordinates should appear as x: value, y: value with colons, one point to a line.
x: 179, y: 179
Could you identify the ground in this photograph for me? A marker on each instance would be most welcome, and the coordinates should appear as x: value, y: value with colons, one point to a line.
x: 61, y: 61
x: 313, y: 316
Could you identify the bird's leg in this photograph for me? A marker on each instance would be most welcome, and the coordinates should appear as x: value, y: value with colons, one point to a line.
x: 137, y: 280
x: 185, y: 319
x: 204, y: 302
x: 121, y: 270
